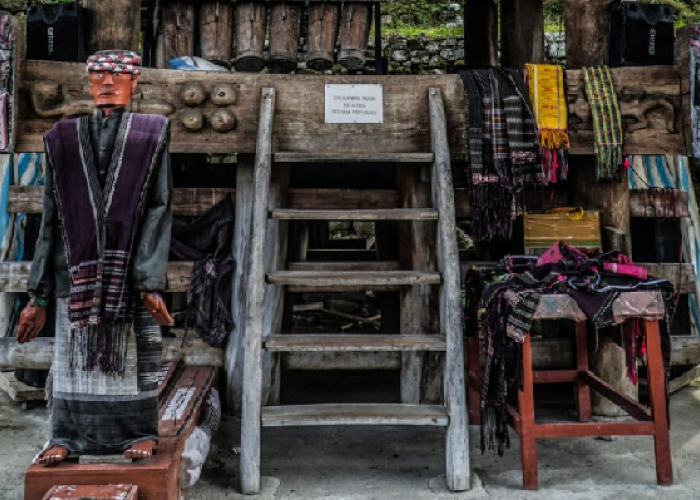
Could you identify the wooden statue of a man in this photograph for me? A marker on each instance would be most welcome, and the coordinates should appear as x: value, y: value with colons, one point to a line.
x: 102, y: 254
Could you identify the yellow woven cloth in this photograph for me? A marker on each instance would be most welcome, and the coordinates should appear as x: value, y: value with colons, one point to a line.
x: 546, y: 83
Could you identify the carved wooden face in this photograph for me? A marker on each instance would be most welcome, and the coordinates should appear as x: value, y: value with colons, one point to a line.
x: 112, y: 90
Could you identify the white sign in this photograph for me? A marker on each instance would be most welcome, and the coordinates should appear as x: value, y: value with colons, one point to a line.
x: 354, y: 104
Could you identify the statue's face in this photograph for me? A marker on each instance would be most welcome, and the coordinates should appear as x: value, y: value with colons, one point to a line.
x: 112, y: 90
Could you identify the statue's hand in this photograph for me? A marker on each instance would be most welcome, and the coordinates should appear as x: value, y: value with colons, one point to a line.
x: 155, y: 305
x: 31, y: 322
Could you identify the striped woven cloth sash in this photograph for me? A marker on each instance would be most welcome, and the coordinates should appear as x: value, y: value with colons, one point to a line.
x: 100, y: 226
x: 607, y: 122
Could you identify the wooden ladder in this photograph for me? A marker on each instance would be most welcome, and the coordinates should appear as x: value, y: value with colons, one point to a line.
x: 452, y: 414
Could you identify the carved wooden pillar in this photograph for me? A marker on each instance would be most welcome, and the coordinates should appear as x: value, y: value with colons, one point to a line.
x: 177, y: 30
x: 588, y: 44
x: 216, y: 31
x: 522, y: 32
x: 113, y: 25
x: 481, y: 32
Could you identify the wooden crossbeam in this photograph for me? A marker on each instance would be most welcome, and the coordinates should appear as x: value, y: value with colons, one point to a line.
x: 650, y: 99
x: 13, y: 275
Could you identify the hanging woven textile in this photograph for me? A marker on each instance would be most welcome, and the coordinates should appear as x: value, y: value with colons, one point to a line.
x: 549, y: 105
x: 607, y: 123
x: 504, y: 153
x: 695, y: 90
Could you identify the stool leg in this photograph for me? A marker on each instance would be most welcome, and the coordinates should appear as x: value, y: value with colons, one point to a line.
x: 583, y: 390
x: 473, y: 389
x: 526, y: 409
x: 657, y: 395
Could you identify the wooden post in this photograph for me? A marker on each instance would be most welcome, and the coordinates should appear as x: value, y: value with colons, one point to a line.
x: 285, y: 28
x: 526, y: 409
x: 522, y: 29
x: 235, y: 348
x: 414, y: 254
x: 275, y: 260
x: 178, y: 30
x: 659, y: 408
x: 481, y: 32
x: 324, y: 20
x: 458, y: 473
x: 588, y: 44
x: 255, y: 301
x: 356, y: 23
x: 113, y: 25
x: 216, y: 31
x: 587, y: 25
x: 251, y: 24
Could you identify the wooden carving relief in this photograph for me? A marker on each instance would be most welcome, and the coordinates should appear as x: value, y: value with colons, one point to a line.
x: 650, y: 103
x: 214, y: 112
x: 218, y: 112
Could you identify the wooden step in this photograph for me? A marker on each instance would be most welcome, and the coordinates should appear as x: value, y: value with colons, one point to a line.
x: 397, y: 214
x: 352, y: 279
x: 360, y: 342
x: 354, y: 158
x: 354, y: 414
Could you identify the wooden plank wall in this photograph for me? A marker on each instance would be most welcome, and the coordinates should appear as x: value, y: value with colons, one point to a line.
x: 650, y: 100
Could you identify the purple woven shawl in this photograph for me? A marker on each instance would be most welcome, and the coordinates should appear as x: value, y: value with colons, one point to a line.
x: 99, y: 228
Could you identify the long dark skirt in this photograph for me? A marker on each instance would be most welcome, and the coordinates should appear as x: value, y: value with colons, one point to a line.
x: 95, y: 413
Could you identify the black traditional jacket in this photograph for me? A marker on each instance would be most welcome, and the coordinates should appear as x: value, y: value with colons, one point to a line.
x: 49, y: 274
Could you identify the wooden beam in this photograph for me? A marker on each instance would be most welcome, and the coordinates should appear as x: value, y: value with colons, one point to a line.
x: 38, y: 354
x: 13, y: 275
x: 522, y: 27
x: 113, y: 25
x: 185, y: 201
x: 587, y: 25
x: 650, y: 99
x: 634, y: 408
x: 649, y: 203
x: 481, y: 33
x: 255, y: 300
x: 458, y: 470
x: 52, y: 90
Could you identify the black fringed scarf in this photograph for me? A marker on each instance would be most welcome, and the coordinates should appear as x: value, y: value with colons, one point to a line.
x: 504, y: 153
x: 100, y: 226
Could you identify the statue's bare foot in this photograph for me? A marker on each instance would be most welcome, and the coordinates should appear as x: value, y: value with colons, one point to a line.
x: 141, y: 450
x: 52, y: 456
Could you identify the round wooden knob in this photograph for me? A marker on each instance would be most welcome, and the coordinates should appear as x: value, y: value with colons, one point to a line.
x: 223, y: 94
x: 222, y: 120
x: 193, y: 94
x: 192, y: 119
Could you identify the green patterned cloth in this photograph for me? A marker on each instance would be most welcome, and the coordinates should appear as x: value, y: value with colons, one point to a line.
x: 607, y: 122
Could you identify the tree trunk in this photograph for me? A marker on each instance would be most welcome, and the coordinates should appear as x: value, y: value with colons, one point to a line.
x: 113, y: 25
x: 522, y: 32
x: 481, y: 33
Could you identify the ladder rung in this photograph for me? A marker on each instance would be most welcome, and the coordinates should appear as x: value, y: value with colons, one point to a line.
x: 354, y: 279
x: 354, y: 414
x: 357, y: 215
x: 354, y: 158
x: 360, y: 342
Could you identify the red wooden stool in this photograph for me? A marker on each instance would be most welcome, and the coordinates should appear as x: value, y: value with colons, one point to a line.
x: 648, y: 421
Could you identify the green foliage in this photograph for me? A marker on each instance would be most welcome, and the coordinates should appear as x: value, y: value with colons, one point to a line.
x: 414, y: 17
